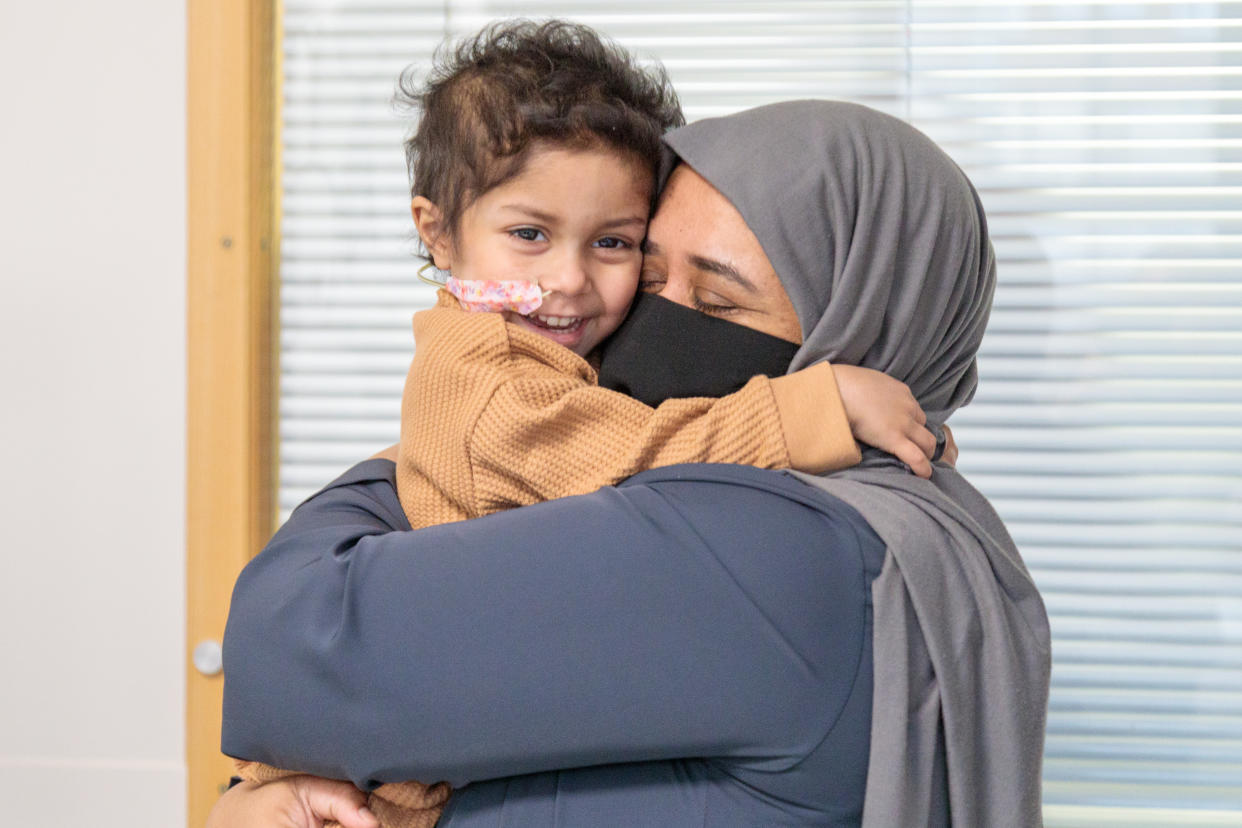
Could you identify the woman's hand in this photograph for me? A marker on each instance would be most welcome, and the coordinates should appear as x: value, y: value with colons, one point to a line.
x: 883, y: 413
x: 295, y: 802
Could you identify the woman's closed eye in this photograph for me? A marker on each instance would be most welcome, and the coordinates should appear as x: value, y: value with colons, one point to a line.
x: 714, y: 305
x: 649, y: 282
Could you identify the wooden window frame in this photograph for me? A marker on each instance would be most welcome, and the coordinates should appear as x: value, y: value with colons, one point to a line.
x: 232, y: 77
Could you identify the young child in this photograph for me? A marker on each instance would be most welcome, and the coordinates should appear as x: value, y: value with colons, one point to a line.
x: 533, y: 170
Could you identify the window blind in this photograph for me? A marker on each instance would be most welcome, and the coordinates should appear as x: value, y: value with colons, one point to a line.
x: 1106, y: 141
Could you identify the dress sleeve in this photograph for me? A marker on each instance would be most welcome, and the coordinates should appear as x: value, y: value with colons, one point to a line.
x: 698, y: 611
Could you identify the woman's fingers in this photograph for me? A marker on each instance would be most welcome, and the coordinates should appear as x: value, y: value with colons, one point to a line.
x: 329, y: 799
x: 293, y: 802
x: 245, y: 806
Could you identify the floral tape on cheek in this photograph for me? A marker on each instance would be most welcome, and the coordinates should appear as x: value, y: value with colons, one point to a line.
x: 496, y: 295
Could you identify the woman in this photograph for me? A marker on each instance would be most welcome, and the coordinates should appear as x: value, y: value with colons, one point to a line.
x: 694, y: 646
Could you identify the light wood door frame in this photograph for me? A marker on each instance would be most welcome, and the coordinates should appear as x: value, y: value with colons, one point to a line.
x: 231, y: 370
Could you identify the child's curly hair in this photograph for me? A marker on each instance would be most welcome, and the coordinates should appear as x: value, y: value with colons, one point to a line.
x: 488, y: 100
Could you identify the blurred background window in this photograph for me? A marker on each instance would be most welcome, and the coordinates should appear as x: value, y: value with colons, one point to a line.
x: 1106, y: 141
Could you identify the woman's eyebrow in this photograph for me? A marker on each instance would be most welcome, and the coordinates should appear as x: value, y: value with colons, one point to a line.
x: 722, y: 269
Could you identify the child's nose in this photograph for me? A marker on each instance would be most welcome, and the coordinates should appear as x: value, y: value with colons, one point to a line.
x: 569, y: 275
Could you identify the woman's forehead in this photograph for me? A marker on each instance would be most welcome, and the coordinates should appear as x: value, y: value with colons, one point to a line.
x: 694, y: 221
x: 701, y: 239
x: 692, y: 210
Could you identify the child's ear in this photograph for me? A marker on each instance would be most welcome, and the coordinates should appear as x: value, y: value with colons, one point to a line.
x: 429, y: 222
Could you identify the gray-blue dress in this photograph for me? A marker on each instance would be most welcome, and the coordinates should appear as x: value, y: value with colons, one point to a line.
x: 691, y: 647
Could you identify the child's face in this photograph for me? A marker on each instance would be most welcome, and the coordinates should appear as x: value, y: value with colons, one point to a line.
x: 572, y: 221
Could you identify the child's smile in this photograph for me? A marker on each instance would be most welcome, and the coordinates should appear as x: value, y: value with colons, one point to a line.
x: 565, y: 330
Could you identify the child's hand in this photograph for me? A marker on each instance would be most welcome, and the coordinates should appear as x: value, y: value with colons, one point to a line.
x: 950, y: 447
x: 883, y: 413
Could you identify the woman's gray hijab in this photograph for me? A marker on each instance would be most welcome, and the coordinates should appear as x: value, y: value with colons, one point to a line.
x: 881, y: 243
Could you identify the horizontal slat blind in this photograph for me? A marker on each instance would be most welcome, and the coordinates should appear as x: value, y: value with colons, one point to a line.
x: 347, y: 269
x: 1106, y: 140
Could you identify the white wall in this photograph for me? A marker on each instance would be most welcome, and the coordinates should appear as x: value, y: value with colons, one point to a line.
x: 92, y: 389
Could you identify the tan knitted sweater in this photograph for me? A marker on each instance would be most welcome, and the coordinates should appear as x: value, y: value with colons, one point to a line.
x: 495, y: 416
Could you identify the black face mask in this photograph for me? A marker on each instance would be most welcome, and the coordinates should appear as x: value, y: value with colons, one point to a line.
x: 664, y: 350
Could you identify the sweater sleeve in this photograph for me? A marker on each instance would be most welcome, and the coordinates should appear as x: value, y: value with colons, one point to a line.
x: 459, y: 359
x: 494, y: 417
x: 545, y: 434
x: 635, y: 623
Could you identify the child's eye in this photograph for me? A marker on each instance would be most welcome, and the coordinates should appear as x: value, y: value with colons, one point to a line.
x: 612, y: 243
x: 529, y: 234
